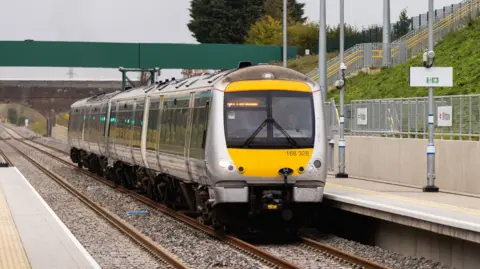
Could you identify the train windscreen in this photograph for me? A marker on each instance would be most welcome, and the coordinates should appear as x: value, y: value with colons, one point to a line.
x: 269, y: 119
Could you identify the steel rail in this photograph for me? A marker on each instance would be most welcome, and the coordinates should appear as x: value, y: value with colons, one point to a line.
x: 347, y: 257
x: 4, y: 160
x: 116, y: 221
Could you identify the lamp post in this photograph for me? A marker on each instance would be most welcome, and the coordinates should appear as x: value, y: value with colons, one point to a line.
x: 284, y: 33
x: 341, y: 85
x: 322, y: 51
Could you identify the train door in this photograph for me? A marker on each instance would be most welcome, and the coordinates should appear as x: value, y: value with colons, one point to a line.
x: 137, y: 125
x: 160, y: 131
x: 112, y: 130
x: 83, y: 116
x: 151, y: 126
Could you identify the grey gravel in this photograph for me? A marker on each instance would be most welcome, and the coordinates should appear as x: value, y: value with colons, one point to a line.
x: 194, y: 248
x: 381, y: 256
x: 107, y: 245
x: 304, y: 257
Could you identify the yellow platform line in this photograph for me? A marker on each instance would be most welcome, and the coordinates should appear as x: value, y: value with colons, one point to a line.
x: 12, y: 253
x: 406, y: 199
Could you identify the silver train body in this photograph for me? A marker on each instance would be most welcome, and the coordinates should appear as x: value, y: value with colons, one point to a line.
x: 199, y: 144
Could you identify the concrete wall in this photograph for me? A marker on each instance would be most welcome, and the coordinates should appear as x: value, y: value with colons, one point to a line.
x: 60, y: 132
x: 418, y: 243
x: 457, y: 163
x: 403, y: 239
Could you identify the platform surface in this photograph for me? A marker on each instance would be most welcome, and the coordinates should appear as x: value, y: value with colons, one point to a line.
x: 453, y: 210
x: 31, y: 234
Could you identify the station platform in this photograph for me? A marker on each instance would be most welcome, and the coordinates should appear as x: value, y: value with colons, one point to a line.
x: 449, y: 214
x: 31, y: 234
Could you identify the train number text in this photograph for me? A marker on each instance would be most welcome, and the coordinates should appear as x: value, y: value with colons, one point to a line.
x: 295, y: 153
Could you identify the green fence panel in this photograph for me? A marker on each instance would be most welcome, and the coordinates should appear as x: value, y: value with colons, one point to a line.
x: 136, y: 55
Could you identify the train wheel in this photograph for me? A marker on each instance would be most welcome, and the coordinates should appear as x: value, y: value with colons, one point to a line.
x: 100, y: 167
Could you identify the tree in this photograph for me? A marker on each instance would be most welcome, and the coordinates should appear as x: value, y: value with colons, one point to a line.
x: 223, y: 21
x: 12, y: 115
x: 402, y: 27
x: 274, y: 9
x: 268, y: 31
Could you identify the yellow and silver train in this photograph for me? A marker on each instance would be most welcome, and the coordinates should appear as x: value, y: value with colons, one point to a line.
x: 238, y: 148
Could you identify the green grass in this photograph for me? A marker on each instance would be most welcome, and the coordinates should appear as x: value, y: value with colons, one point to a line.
x: 39, y: 127
x: 460, y: 50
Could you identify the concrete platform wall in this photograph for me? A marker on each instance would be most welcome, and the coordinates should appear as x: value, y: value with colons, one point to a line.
x: 60, y: 132
x: 418, y: 243
x: 404, y: 161
x: 398, y: 238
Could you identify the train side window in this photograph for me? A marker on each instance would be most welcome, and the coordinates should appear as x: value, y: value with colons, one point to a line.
x: 173, y: 125
x: 152, y: 130
x: 129, y: 124
x: 199, y: 124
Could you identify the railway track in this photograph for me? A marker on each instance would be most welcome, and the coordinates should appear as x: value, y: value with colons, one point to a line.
x: 4, y: 161
x: 145, y: 242
x: 340, y: 257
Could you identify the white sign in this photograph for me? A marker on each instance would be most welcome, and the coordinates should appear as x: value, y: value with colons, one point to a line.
x: 307, y: 52
x: 431, y: 77
x: 26, y: 122
x: 362, y: 116
x: 444, y: 116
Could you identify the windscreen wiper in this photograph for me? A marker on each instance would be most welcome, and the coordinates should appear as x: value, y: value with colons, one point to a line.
x: 289, y: 138
x: 251, y: 137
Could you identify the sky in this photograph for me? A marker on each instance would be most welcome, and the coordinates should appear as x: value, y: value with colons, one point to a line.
x: 156, y: 21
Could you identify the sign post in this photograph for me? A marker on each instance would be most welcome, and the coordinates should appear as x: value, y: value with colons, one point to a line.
x: 340, y: 84
x: 429, y: 76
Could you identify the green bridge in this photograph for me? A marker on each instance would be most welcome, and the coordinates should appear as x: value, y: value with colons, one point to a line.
x: 31, y: 53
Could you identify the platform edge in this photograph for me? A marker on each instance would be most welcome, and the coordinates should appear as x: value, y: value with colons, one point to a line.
x: 72, y: 237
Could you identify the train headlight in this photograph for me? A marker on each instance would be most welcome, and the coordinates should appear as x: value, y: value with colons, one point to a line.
x: 268, y: 76
x: 310, y: 168
x: 227, y: 165
x: 315, y: 165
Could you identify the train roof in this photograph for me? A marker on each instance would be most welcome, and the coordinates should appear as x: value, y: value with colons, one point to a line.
x: 255, y: 72
x: 191, y: 83
x: 133, y: 93
x: 258, y: 72
x: 247, y: 73
x: 96, y: 99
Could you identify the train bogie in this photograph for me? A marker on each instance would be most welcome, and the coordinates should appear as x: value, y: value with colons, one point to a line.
x: 229, y: 148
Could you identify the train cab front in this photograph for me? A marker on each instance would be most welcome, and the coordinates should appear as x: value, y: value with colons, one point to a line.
x: 270, y: 137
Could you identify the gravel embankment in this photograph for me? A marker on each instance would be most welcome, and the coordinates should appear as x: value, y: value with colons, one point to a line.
x: 303, y: 257
x: 381, y: 256
x: 107, y: 245
x: 194, y: 248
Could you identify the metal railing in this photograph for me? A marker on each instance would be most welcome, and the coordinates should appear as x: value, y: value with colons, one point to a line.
x: 457, y: 117
x: 360, y: 56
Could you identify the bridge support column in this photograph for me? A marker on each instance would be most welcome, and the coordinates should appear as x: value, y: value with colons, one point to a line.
x: 50, y: 123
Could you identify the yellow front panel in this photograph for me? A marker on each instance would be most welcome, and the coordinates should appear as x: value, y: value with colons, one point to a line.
x: 267, y: 162
x: 265, y: 85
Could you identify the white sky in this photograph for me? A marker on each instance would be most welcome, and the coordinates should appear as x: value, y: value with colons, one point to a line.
x: 159, y: 21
